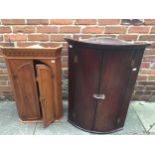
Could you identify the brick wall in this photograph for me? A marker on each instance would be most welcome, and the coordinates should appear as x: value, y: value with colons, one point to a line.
x: 50, y: 32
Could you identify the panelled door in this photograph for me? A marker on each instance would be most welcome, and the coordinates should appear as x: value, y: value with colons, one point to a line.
x: 24, y: 82
x: 44, y: 78
x: 115, y: 73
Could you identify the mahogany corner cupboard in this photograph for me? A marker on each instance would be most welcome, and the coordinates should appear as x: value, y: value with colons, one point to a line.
x: 102, y: 75
x: 35, y: 75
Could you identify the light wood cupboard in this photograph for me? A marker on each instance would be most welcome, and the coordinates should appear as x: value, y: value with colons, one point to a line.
x: 35, y: 75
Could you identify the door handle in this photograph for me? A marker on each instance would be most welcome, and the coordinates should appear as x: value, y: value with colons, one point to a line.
x: 134, y: 69
x: 99, y: 96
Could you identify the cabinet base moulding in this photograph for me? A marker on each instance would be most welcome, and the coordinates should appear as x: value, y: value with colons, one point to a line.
x: 98, y: 132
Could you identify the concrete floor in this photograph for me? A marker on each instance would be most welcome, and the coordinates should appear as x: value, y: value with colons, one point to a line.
x: 140, y: 120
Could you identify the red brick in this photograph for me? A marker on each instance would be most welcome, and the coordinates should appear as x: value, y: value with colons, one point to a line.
x: 139, y: 92
x: 69, y: 29
x: 50, y: 44
x: 152, y: 30
x: 64, y: 64
x: 47, y: 29
x: 153, y: 66
x: 149, y: 21
x: 153, y: 71
x: 4, y: 77
x: 145, y: 71
x: 86, y: 21
x: 139, y: 87
x: 65, y: 72
x: 65, y: 46
x: 25, y: 44
x: 13, y: 21
x: 149, y: 58
x: 150, y: 52
x: 94, y: 30
x: 152, y: 45
x: 65, y: 59
x: 128, y: 37
x: 13, y: 37
x: 5, y: 29
x: 138, y: 29
x: 58, y: 38
x: 23, y: 29
x: 6, y: 44
x: 142, y: 78
x: 2, y: 60
x: 5, y: 88
x: 2, y: 71
x: 64, y: 52
x: 38, y: 37
x: 147, y: 38
x: 116, y: 29
x: 61, y: 21
x: 109, y: 21
x: 145, y: 83
x: 105, y: 35
x: 1, y: 38
x: 37, y: 21
x: 145, y: 65
x: 150, y: 87
x: 152, y: 78
x: 83, y: 36
x: 3, y: 83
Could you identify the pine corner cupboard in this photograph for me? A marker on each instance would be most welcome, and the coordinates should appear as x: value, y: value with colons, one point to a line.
x: 35, y: 75
x: 102, y: 75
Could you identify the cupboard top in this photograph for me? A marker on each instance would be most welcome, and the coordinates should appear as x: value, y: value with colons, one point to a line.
x: 31, y: 52
x: 105, y: 42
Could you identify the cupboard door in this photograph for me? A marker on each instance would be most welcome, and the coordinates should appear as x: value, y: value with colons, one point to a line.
x: 84, y: 66
x: 44, y: 78
x: 114, y: 81
x: 23, y: 80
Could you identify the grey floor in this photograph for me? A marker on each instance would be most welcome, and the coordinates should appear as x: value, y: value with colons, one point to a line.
x: 140, y: 120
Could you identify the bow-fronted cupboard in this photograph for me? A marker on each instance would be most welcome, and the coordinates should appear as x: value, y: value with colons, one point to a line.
x: 102, y: 75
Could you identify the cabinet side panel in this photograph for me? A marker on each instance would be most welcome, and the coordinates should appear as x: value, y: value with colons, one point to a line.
x: 136, y: 59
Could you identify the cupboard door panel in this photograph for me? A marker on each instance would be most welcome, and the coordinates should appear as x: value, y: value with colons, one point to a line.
x: 114, y: 81
x: 24, y: 82
x: 84, y: 69
x: 44, y: 78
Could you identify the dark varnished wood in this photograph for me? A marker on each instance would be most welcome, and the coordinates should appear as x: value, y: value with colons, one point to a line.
x: 114, y: 79
x: 36, y: 100
x: 101, y: 66
x: 83, y: 74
